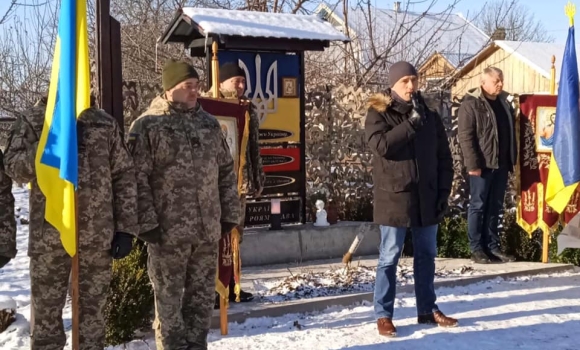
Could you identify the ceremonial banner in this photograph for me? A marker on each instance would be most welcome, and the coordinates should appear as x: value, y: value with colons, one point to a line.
x: 234, y: 120
x: 535, y: 113
x: 535, y: 129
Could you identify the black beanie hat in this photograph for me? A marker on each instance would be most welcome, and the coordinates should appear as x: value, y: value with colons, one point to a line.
x: 174, y: 72
x: 230, y: 70
x: 399, y: 70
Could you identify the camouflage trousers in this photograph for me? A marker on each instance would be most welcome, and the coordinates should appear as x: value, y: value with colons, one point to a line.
x: 183, y: 279
x: 49, y: 282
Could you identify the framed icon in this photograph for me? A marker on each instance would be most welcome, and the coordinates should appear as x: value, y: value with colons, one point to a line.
x: 545, y: 122
x: 289, y: 87
x: 229, y: 126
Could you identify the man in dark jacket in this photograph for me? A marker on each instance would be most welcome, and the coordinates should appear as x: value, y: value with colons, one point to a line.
x: 413, y: 172
x: 487, y: 139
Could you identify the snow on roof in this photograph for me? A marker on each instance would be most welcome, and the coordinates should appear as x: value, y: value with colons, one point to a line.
x: 537, y: 55
x: 263, y: 24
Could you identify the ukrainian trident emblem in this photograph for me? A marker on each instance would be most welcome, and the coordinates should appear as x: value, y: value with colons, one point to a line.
x: 265, y: 99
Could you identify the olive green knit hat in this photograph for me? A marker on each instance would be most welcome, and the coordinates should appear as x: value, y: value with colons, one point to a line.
x: 174, y: 72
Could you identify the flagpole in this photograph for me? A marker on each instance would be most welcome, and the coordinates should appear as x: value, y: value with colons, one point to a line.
x: 546, y: 232
x: 75, y: 284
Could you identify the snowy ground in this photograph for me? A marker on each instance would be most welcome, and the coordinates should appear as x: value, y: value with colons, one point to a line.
x: 340, y: 281
x: 541, y: 313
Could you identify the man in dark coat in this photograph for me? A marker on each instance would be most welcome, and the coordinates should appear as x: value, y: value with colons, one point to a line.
x: 487, y: 137
x: 413, y: 172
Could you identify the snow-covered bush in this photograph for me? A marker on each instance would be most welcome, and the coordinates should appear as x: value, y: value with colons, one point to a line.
x: 7, y: 312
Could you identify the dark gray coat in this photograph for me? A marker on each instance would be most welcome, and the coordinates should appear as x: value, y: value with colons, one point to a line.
x: 477, y: 131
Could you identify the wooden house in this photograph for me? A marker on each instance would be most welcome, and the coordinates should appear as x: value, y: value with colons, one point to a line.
x: 526, y: 67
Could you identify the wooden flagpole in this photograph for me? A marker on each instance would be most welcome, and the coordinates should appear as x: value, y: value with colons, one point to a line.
x: 75, y: 284
x: 546, y: 232
x: 215, y: 85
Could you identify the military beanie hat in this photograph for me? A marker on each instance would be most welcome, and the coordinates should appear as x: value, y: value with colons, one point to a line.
x: 230, y: 70
x: 174, y: 72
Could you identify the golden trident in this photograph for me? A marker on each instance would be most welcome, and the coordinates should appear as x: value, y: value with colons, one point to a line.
x: 570, y: 10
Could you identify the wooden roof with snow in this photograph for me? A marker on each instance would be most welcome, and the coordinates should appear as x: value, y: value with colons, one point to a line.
x: 196, y: 28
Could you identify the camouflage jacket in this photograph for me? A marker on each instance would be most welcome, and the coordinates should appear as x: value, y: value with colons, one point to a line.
x: 7, y: 221
x: 107, y: 191
x: 185, y: 173
x: 253, y: 172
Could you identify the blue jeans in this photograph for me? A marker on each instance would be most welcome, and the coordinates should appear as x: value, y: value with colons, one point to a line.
x: 424, y: 253
x: 487, y: 194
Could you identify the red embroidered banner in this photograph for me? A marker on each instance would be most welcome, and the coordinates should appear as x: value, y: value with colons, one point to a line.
x: 534, y: 131
x: 534, y: 161
x: 234, y: 121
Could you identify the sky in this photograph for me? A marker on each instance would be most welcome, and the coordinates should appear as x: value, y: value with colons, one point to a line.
x: 550, y: 12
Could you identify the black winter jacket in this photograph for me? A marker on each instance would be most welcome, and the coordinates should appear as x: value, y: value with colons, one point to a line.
x: 477, y: 131
x: 412, y: 169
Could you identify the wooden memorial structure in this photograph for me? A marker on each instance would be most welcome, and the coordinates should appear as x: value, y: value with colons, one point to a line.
x: 270, y: 48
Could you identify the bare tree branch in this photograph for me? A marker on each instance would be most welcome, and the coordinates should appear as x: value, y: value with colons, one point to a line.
x: 513, y: 17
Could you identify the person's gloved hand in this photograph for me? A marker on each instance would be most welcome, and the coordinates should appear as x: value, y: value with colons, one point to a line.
x: 122, y: 245
x: 4, y: 260
x: 442, y: 206
x: 227, y: 227
x: 418, y: 116
x: 152, y: 236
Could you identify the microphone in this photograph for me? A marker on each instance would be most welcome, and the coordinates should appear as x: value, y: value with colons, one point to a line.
x: 415, y: 100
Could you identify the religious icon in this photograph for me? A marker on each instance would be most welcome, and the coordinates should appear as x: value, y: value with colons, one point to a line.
x: 545, y: 122
x: 289, y: 87
x: 229, y: 129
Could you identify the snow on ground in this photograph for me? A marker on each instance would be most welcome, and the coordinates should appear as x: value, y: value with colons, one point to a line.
x: 530, y: 313
x: 7, y: 303
x: 340, y: 281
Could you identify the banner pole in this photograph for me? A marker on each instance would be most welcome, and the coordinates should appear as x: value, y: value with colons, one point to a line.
x: 215, y: 92
x: 546, y: 231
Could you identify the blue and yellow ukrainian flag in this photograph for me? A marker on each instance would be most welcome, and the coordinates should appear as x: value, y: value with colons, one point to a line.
x: 69, y: 94
x: 564, y: 171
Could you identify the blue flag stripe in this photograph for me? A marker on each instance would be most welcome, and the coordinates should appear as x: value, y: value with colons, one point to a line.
x: 566, y: 147
x: 61, y: 144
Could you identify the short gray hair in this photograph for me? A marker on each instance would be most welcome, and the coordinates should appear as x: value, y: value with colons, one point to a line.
x: 490, y: 70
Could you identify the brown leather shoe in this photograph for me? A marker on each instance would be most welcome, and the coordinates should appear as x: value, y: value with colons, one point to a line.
x: 439, y: 319
x: 386, y: 327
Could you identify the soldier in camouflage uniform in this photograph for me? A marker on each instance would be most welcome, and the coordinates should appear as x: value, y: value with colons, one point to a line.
x: 187, y: 201
x: 7, y: 221
x: 107, y: 223
x: 232, y: 86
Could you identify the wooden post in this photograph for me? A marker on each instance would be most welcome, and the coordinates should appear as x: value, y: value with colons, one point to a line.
x: 104, y: 68
x: 75, y: 270
x: 546, y: 233
x: 215, y: 70
x: 215, y: 89
x: 116, y: 74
